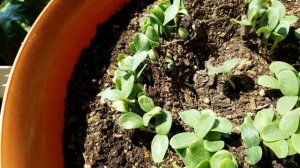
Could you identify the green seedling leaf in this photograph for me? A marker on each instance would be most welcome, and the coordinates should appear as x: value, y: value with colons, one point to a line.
x: 290, y: 122
x: 158, y: 12
x: 218, y: 157
x: 263, y: 118
x: 170, y: 63
x: 190, y: 117
x: 280, y: 6
x: 215, y: 70
x: 280, y: 148
x: 266, y: 31
x: 297, y: 33
x: 131, y: 120
x: 253, y: 155
x: 278, y: 66
x: 203, y: 164
x: 204, y: 124
x: 213, y: 136
x: 273, y: 17
x: 183, y: 33
x: 292, y: 150
x: 291, y: 19
x: 137, y: 91
x: 286, y: 104
x: 230, y: 64
x: 138, y: 59
x: 126, y: 64
x: 296, y: 142
x: 117, y: 78
x: 197, y: 149
x: 189, y: 159
x: 222, y: 125
x: 182, y: 140
x: 290, y: 88
x: 146, y: 103
x: 159, y: 147
x: 121, y: 57
x: 213, y: 146
x: 170, y: 13
x: 248, y: 120
x: 152, y: 55
x: 127, y: 82
x: 163, y: 123
x: 249, y: 135
x: 144, y: 23
x: 152, y: 36
x: 268, y: 81
x: 110, y: 94
x: 141, y: 42
x: 120, y: 106
x: 281, y: 31
x: 271, y: 133
x: 228, y: 163
x: 154, y: 112
x: 242, y: 22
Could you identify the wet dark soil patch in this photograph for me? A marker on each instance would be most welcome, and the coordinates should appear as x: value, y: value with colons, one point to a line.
x: 93, y: 136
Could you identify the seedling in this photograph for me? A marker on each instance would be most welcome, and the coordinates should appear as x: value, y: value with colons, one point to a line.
x: 127, y: 95
x: 225, y: 69
x: 203, y: 147
x: 183, y: 33
x: 269, y: 19
x: 277, y: 133
x: 169, y: 63
x: 287, y: 81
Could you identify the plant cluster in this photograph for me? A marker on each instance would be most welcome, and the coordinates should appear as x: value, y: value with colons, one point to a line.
x: 269, y: 19
x: 225, y: 69
x: 203, y: 147
x: 287, y: 81
x: 127, y: 96
x: 279, y: 133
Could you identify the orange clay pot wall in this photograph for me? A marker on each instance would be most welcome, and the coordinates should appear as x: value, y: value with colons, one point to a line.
x: 32, y: 116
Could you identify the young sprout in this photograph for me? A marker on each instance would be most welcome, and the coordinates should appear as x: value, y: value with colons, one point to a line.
x: 169, y: 63
x: 225, y: 69
x: 269, y: 19
x: 205, y: 141
x: 183, y: 33
x: 277, y: 133
x: 287, y: 81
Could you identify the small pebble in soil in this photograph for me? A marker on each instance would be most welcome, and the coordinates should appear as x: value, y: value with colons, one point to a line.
x: 262, y: 93
x: 206, y: 100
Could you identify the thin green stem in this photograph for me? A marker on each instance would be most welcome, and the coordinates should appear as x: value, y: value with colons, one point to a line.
x: 147, y: 130
x: 273, y: 47
x: 229, y: 80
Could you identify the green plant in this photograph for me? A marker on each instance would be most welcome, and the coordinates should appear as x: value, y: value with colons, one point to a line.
x: 225, y: 69
x: 183, y: 33
x: 268, y: 18
x: 127, y: 95
x: 138, y: 114
x: 278, y: 133
x: 203, y: 147
x: 287, y: 81
x: 16, y: 17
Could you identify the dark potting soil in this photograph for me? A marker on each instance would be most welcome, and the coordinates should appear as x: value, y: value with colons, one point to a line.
x: 93, y: 136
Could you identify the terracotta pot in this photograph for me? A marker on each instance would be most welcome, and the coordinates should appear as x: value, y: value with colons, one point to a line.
x: 32, y: 116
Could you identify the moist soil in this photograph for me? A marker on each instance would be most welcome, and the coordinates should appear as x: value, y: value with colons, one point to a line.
x: 93, y: 137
